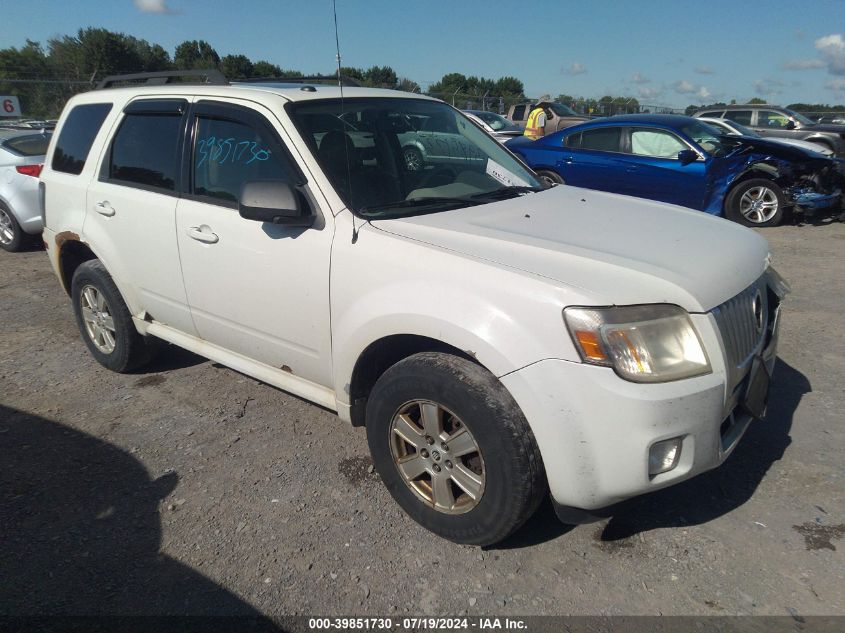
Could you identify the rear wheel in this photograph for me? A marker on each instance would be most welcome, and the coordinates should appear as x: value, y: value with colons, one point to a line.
x: 104, y: 320
x: 756, y: 202
x: 12, y: 237
x: 550, y: 177
x: 454, y: 449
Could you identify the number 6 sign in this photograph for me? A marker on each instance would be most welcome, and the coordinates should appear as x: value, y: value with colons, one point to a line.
x: 9, y: 106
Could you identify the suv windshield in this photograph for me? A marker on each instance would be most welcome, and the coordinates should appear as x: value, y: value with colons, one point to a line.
x: 395, y: 157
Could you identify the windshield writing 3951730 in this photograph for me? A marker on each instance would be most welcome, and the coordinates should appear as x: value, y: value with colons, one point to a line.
x: 225, y: 151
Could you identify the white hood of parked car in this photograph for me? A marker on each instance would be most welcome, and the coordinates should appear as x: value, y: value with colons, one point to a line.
x: 606, y: 247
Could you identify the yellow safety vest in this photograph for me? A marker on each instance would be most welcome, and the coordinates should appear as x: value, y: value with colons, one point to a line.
x: 532, y: 129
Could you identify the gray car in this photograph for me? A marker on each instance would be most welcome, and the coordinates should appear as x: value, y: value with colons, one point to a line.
x: 21, y: 158
x: 769, y: 120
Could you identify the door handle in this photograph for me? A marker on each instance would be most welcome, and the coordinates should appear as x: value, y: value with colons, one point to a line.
x: 565, y: 160
x: 104, y: 208
x: 202, y: 234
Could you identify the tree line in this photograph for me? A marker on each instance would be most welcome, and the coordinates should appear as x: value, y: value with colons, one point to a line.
x: 44, y: 77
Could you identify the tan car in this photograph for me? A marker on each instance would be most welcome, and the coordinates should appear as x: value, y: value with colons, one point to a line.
x: 558, y: 116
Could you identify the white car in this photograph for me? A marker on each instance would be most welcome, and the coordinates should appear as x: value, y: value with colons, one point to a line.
x: 21, y: 158
x: 731, y: 128
x: 497, y: 338
x: 494, y: 124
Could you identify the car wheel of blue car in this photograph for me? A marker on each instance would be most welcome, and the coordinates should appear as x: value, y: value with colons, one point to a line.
x: 756, y: 202
x: 413, y: 159
x: 551, y: 178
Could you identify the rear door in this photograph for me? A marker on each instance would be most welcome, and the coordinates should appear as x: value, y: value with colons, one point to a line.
x: 132, y: 208
x: 592, y: 158
x: 258, y: 289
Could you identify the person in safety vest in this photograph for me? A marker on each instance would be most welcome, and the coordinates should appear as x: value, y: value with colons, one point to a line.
x: 535, y: 127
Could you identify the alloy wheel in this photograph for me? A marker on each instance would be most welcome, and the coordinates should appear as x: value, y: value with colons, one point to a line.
x: 7, y: 231
x: 758, y: 204
x: 98, y: 319
x: 437, y: 457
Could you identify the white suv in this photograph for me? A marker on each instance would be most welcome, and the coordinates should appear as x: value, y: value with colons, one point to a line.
x: 497, y: 339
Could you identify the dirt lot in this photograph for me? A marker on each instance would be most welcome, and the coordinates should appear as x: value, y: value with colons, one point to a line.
x: 189, y: 488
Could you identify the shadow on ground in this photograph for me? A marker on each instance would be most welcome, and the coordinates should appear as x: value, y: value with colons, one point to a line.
x: 81, y: 533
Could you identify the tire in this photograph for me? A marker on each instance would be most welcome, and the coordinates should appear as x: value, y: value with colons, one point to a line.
x: 12, y: 237
x: 550, y: 177
x: 492, y: 452
x: 756, y: 202
x: 104, y: 320
x: 413, y: 159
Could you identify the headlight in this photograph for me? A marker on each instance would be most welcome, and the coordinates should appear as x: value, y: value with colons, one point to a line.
x: 649, y: 343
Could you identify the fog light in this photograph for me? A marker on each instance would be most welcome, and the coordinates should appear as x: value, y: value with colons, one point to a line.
x: 664, y: 456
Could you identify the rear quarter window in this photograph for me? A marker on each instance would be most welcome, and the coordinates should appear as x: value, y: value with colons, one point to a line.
x: 34, y: 145
x: 77, y: 135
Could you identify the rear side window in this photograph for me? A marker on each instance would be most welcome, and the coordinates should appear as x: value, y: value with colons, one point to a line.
x: 715, y: 114
x: 33, y: 145
x: 603, y: 139
x: 519, y: 112
x: 145, y: 150
x: 78, y: 132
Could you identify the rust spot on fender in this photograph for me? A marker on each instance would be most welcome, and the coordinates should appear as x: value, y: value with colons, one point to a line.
x: 66, y: 236
x: 286, y: 368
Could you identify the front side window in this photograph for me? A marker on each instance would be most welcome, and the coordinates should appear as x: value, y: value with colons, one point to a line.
x: 772, y: 119
x: 743, y: 117
x: 655, y: 143
x: 77, y: 135
x: 145, y: 151
x: 394, y: 157
x: 228, y: 152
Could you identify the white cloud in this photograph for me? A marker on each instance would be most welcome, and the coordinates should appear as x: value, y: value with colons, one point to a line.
x: 703, y: 93
x: 684, y: 87
x: 768, y: 87
x: 153, y: 6
x: 574, y: 69
x: 832, y: 48
x: 649, y: 93
x: 704, y: 70
x: 639, y: 78
x: 803, y: 64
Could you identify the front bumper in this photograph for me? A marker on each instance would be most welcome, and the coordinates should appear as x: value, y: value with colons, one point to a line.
x: 595, y: 430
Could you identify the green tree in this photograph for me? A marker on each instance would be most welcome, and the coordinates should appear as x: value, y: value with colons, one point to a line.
x: 509, y: 87
x: 381, y: 77
x: 93, y: 54
x: 756, y: 101
x: 24, y: 65
x: 408, y: 85
x: 195, y: 54
x: 152, y: 56
x: 236, y: 67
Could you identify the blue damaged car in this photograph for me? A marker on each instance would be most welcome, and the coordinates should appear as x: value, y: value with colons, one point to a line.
x: 683, y: 161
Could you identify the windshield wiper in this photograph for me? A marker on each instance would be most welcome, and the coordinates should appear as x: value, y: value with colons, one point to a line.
x: 504, y: 193
x: 416, y: 202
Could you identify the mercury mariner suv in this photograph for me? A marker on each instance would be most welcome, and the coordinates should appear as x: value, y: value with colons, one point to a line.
x: 499, y: 339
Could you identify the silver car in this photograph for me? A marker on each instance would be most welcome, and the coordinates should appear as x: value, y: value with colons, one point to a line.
x: 21, y: 159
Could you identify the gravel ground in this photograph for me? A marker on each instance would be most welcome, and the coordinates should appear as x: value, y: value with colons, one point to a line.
x: 190, y: 488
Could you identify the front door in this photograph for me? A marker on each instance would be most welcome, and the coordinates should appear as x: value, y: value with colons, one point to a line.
x: 258, y: 289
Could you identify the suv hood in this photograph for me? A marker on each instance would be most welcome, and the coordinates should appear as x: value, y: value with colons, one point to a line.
x: 605, y: 248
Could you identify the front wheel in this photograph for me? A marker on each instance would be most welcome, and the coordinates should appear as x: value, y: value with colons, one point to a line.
x: 756, y: 202
x: 454, y: 449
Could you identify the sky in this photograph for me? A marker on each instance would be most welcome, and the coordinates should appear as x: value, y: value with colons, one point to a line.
x: 674, y: 53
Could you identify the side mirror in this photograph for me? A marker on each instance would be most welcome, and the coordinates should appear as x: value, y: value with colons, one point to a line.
x: 687, y: 156
x: 274, y: 201
x: 790, y: 125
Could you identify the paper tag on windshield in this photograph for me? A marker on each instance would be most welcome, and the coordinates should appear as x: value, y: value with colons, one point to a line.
x: 504, y: 176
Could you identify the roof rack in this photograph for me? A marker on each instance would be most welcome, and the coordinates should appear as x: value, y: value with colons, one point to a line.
x: 157, y: 78
x: 327, y: 79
